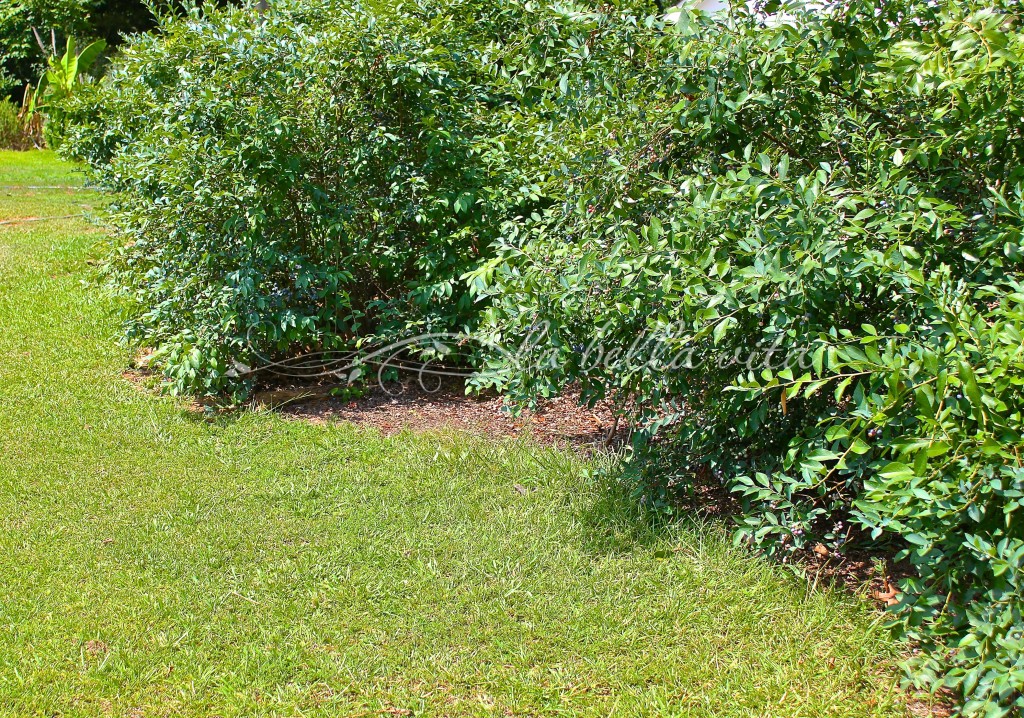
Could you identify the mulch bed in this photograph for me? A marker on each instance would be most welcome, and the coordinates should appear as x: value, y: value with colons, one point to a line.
x: 560, y: 421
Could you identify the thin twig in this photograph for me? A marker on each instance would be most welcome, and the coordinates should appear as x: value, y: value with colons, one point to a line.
x: 39, y: 41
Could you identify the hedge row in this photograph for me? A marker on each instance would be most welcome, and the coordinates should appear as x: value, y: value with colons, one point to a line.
x: 787, y: 244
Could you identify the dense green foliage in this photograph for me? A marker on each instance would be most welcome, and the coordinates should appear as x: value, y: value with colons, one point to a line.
x: 57, y: 86
x: 22, y: 58
x: 787, y: 245
x: 283, y: 192
x: 20, y: 54
x: 797, y: 265
x: 12, y: 127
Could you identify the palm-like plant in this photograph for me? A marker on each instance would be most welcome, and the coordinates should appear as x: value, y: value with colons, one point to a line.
x: 59, y: 81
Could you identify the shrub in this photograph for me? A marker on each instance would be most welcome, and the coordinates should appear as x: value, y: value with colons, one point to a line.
x: 20, y: 129
x: 797, y: 265
x: 290, y: 183
x: 316, y: 177
x: 787, y: 245
x: 11, y: 133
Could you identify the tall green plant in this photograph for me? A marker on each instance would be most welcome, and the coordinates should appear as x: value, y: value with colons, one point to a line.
x: 59, y: 83
x: 23, y: 26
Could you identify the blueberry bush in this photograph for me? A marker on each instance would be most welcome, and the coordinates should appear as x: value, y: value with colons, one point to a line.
x: 286, y: 182
x: 795, y: 266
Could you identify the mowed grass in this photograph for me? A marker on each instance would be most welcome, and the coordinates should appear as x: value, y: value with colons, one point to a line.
x: 153, y: 563
x: 36, y: 184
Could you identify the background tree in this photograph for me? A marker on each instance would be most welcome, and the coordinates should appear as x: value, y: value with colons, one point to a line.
x: 23, y: 55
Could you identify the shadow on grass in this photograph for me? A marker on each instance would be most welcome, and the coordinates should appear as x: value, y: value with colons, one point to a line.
x: 615, y: 518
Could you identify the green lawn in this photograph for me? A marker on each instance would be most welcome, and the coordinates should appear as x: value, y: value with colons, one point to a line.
x: 152, y: 563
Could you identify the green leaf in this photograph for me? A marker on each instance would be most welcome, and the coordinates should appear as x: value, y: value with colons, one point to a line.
x: 896, y: 470
x: 90, y: 54
x: 721, y: 328
x: 654, y: 231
